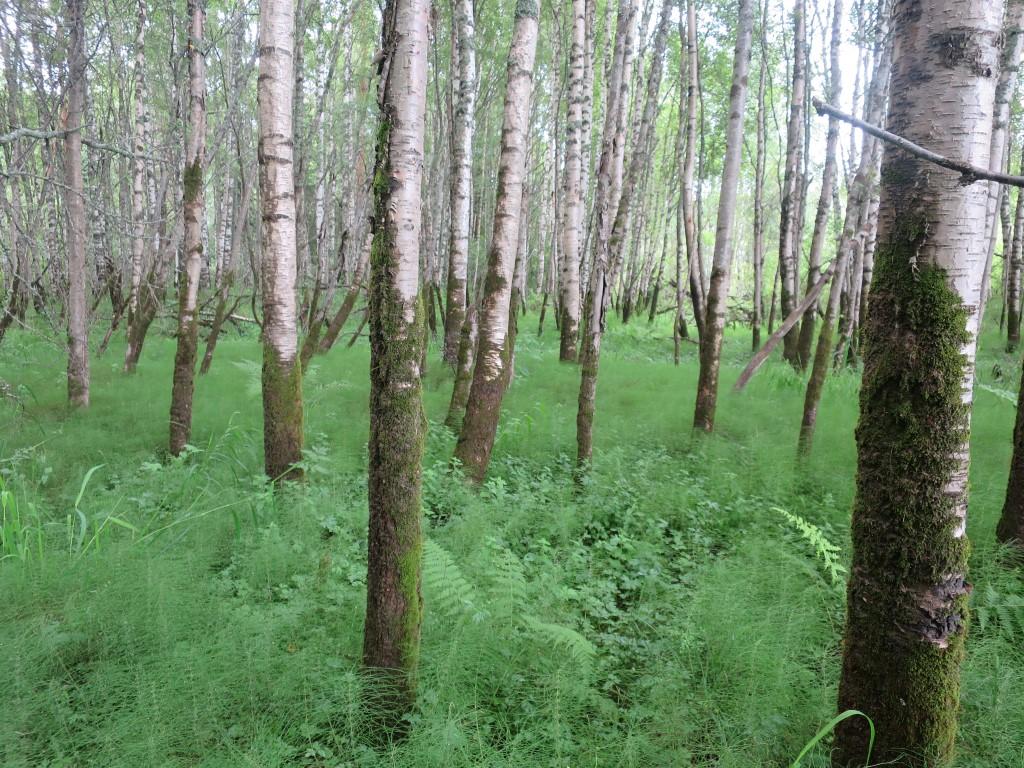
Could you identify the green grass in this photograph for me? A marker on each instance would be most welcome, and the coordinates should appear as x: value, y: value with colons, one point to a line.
x: 667, y: 615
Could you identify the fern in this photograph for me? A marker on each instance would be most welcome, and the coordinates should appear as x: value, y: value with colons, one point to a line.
x: 447, y: 589
x: 1000, y: 612
x: 581, y: 650
x: 507, y: 592
x: 825, y: 550
x: 505, y: 603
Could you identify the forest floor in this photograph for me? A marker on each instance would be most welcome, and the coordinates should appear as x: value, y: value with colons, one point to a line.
x: 684, y: 608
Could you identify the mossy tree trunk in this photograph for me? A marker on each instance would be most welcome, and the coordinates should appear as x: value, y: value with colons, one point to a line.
x: 463, y: 371
x: 718, y: 293
x: 480, y: 424
x: 74, y: 203
x: 193, y: 208
x: 907, y: 594
x: 282, y: 373
x: 394, y: 606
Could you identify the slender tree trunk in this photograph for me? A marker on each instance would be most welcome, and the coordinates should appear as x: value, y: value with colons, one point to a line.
x: 714, y: 324
x: 281, y: 233
x: 574, y: 193
x: 480, y: 425
x: 608, y: 250
x: 138, y: 167
x: 464, y: 371
x: 791, y: 214
x: 907, y: 595
x: 193, y: 213
x: 828, y: 177
x: 757, y: 313
x: 394, y: 604
x: 74, y: 203
x: 463, y: 121
x: 688, y: 202
x: 1013, y: 268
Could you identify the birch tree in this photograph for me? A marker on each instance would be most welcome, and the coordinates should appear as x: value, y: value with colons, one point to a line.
x: 718, y: 292
x: 609, y: 248
x: 791, y: 214
x: 394, y: 605
x: 476, y: 440
x: 193, y: 210
x: 907, y: 594
x: 74, y: 202
x: 282, y: 373
x: 463, y: 123
x: 573, y: 191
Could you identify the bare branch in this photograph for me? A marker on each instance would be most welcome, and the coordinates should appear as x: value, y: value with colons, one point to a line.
x: 969, y: 174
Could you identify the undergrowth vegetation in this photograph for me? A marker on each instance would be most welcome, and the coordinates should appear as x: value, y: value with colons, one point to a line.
x: 684, y: 607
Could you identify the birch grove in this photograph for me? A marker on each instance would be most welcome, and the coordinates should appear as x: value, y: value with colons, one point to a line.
x: 412, y: 238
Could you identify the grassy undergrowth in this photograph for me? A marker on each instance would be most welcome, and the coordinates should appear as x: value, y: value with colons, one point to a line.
x: 685, y: 608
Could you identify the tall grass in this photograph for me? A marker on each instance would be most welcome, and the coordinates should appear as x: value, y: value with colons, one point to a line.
x: 668, y: 614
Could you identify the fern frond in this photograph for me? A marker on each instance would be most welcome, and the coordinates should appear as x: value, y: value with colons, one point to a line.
x: 445, y: 587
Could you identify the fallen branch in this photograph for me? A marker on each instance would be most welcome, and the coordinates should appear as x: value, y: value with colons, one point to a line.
x: 762, y: 354
x: 968, y: 173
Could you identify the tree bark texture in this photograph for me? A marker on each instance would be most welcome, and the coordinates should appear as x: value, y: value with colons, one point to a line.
x: 907, y: 593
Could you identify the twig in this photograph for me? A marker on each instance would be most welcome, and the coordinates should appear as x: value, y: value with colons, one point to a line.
x: 968, y: 173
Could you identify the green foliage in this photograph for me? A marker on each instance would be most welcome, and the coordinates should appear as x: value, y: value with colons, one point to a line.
x: 827, y: 552
x: 665, y: 614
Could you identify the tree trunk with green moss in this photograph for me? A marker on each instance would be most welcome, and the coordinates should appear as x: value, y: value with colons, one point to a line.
x: 282, y: 372
x: 480, y: 424
x: 463, y: 371
x: 394, y: 605
x: 907, y: 596
x: 193, y: 210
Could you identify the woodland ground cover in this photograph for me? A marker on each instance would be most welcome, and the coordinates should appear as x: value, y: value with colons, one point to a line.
x: 683, y: 608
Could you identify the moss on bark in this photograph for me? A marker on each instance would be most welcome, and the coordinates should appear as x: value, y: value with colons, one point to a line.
x: 907, y: 596
x: 394, y: 604
x: 282, y: 416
